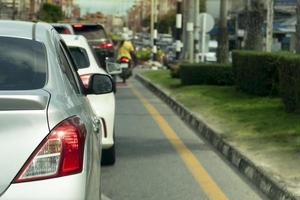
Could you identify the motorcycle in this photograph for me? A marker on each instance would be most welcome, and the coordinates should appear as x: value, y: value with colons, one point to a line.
x: 125, y: 65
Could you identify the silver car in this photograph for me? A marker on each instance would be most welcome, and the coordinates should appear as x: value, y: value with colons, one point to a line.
x: 50, y: 139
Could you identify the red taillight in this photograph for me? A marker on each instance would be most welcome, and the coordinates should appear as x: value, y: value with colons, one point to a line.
x: 85, y: 80
x: 77, y: 25
x: 105, y: 45
x: 59, y: 154
x: 124, y: 60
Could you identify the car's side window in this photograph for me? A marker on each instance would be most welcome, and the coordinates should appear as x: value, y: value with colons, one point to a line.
x: 67, y: 68
x: 73, y: 67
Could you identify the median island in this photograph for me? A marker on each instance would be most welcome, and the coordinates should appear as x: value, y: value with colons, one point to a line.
x: 261, y: 126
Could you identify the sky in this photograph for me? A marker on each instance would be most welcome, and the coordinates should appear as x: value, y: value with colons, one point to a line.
x: 105, y: 6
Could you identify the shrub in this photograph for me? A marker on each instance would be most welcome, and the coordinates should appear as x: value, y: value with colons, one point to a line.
x: 211, y: 74
x: 174, y: 70
x: 256, y: 72
x: 289, y: 79
x: 144, y: 54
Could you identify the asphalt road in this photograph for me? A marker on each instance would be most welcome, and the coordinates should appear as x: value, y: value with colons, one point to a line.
x: 159, y: 157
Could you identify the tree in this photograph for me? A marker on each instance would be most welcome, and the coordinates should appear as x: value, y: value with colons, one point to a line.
x: 202, y: 6
x: 223, y: 46
x: 50, y: 13
x: 298, y: 27
x: 254, y: 27
x: 167, y: 22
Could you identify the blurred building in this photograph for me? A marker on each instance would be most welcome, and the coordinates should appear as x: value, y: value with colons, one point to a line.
x: 141, y: 11
x: 165, y: 6
x: 97, y: 17
x: 19, y: 9
x: 114, y: 23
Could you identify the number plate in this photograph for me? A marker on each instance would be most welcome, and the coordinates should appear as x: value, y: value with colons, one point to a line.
x: 123, y: 65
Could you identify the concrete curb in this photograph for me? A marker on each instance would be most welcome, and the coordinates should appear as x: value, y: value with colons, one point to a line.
x: 272, y: 188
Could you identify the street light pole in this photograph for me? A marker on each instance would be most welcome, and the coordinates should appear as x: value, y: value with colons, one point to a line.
x: 190, y: 30
x: 155, y: 34
x: 197, y: 30
x: 178, y: 28
x: 154, y: 28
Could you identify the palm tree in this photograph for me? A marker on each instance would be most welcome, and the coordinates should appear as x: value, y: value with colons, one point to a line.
x: 298, y: 27
x: 222, y: 53
x: 255, y: 22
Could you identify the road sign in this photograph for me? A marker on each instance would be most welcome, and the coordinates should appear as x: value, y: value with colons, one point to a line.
x: 207, y: 21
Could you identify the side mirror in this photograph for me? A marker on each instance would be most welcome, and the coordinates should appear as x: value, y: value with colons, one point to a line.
x: 98, y: 83
x: 112, y: 67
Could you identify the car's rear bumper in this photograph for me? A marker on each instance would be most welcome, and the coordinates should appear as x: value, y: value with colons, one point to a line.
x: 71, y: 187
x: 107, y: 143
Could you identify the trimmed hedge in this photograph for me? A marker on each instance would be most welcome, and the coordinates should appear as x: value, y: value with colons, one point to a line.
x: 256, y: 72
x: 174, y: 70
x: 210, y: 74
x: 289, y: 76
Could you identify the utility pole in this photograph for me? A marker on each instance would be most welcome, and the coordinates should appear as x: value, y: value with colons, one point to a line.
x: 155, y: 35
x: 154, y: 27
x: 197, y: 30
x: 190, y: 30
x: 178, y: 29
x: 270, y: 18
x: 152, y: 22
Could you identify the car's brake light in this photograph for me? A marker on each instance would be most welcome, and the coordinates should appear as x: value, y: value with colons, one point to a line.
x: 105, y: 45
x: 77, y: 25
x: 59, y: 154
x: 85, y: 80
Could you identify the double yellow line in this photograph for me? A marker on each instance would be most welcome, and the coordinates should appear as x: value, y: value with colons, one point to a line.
x: 196, y: 169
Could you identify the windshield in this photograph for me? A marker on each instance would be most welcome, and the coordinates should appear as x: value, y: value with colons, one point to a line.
x: 91, y: 32
x: 23, y: 67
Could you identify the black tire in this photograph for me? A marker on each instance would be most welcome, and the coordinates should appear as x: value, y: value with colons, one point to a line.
x: 109, y: 156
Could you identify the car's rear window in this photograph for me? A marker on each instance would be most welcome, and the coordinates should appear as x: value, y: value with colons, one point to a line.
x: 62, y: 30
x: 23, y: 64
x: 91, y: 32
x: 80, y: 57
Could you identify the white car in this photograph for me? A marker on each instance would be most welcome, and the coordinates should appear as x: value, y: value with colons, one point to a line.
x: 104, y: 104
x: 211, y: 53
x: 50, y: 138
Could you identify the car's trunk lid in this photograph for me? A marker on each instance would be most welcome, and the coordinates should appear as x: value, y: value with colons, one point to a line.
x: 23, y: 125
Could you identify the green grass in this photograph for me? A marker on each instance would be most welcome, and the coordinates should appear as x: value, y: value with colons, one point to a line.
x: 258, y: 123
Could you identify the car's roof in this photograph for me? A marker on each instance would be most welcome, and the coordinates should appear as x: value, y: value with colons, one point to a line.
x: 21, y: 29
x: 81, y: 41
x: 88, y: 24
x: 75, y: 40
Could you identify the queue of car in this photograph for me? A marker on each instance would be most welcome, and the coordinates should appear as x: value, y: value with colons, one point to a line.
x: 57, y: 110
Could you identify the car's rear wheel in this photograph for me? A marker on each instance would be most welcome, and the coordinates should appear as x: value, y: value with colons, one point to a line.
x: 109, y: 156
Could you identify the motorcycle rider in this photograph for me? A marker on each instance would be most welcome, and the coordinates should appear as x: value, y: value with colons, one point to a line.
x: 126, y: 50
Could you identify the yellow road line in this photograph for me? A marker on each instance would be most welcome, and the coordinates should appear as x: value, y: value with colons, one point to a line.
x: 199, y: 173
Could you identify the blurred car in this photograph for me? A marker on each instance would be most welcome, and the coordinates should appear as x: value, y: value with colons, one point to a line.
x: 211, y: 54
x: 63, y: 28
x: 103, y: 105
x: 98, y: 40
x: 50, y: 137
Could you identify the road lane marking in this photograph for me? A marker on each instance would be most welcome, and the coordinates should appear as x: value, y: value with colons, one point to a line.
x: 196, y: 169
